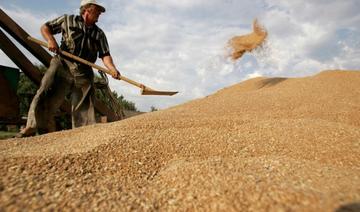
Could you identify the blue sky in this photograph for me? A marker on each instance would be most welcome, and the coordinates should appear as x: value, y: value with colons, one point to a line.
x: 181, y: 45
x: 39, y: 6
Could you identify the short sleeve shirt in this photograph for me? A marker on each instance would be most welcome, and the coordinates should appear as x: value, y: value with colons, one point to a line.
x: 78, y: 39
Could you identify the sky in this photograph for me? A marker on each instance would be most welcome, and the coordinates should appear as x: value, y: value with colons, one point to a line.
x: 182, y: 45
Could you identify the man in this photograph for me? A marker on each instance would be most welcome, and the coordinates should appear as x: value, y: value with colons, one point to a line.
x: 81, y: 37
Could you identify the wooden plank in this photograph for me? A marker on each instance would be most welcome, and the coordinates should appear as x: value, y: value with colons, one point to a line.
x: 11, y: 50
x: 20, y: 36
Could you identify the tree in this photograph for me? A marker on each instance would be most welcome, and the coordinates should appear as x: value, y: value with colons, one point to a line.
x: 101, y: 85
x: 152, y: 109
x: 26, y: 91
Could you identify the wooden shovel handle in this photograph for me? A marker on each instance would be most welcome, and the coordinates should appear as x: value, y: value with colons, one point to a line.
x: 79, y: 59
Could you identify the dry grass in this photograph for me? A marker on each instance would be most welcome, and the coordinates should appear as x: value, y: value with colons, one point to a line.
x: 267, y: 144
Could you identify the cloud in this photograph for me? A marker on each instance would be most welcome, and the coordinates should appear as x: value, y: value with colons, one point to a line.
x: 308, y: 36
x: 177, y: 45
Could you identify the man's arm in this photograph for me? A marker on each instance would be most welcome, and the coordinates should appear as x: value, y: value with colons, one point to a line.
x: 46, y: 33
x: 108, y: 62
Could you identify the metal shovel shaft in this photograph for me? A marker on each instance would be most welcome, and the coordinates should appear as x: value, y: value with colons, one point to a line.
x: 144, y: 89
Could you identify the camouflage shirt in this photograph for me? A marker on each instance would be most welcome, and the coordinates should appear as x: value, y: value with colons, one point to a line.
x: 78, y: 39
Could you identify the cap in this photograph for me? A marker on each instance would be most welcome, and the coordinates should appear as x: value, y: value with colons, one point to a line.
x: 85, y: 2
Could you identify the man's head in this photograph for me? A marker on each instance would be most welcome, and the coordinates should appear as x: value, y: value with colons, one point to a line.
x: 90, y: 10
x: 87, y: 3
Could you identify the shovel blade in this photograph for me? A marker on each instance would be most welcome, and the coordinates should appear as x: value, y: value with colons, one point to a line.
x: 155, y: 92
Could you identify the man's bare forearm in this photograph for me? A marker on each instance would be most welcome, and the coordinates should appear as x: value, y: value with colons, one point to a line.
x: 108, y: 62
x: 48, y: 36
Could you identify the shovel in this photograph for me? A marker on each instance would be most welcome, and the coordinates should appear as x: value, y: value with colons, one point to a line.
x: 144, y: 89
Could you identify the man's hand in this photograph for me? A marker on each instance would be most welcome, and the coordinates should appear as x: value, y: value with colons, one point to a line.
x: 53, y: 46
x: 108, y: 62
x: 116, y: 74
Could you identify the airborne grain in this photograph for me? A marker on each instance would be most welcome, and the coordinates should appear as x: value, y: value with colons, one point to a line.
x: 249, y: 42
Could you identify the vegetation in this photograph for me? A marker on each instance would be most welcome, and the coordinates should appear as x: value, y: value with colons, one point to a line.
x: 6, y: 135
x: 127, y: 105
x: 152, y: 109
x: 26, y: 91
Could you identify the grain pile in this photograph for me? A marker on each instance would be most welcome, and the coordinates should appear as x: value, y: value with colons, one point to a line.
x: 246, y: 43
x: 267, y: 144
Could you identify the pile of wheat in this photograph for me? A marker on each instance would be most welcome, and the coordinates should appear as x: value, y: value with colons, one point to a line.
x: 267, y: 144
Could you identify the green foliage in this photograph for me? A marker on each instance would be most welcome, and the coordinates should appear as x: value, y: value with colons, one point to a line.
x: 127, y: 105
x: 26, y: 91
x: 6, y: 135
x: 100, y: 94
